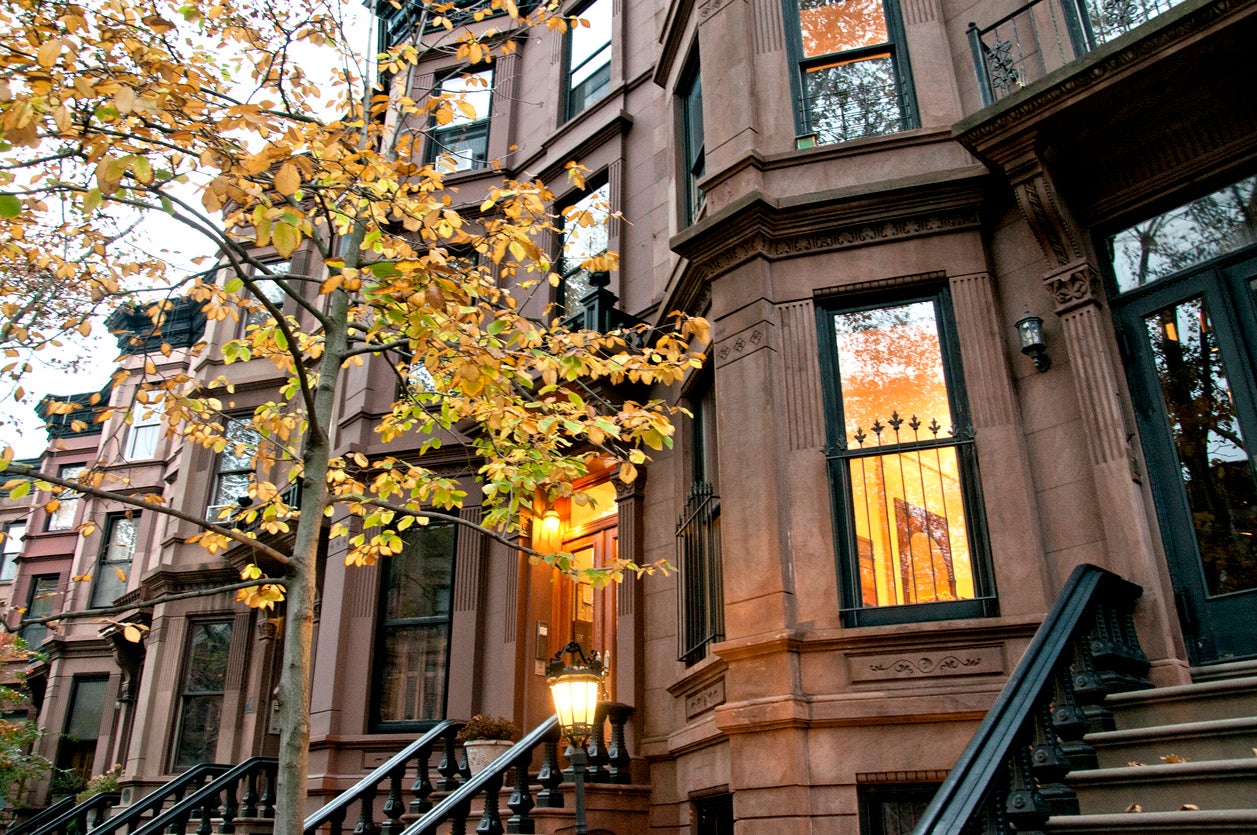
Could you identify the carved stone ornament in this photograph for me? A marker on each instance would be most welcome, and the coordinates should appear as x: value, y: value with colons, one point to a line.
x: 1073, y: 286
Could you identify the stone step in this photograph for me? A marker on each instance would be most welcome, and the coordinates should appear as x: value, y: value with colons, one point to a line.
x: 1229, y: 698
x: 1206, y: 822
x: 1218, y: 739
x: 1215, y: 784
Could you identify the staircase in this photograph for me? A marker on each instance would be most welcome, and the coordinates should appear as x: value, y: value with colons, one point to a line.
x: 1174, y: 748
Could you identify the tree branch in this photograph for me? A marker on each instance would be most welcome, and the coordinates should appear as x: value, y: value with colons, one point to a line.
x: 84, y: 614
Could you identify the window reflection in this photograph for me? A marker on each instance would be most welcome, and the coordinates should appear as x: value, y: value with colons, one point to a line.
x: 907, y: 508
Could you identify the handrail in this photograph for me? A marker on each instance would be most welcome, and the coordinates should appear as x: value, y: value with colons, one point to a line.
x: 77, y: 814
x: 458, y: 801
x: 206, y: 798
x: 34, y: 822
x: 1011, y: 771
x: 153, y: 801
x: 393, y: 770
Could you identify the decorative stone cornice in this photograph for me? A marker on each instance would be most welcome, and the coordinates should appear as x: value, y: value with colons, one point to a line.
x: 1175, y: 29
x: 757, y: 226
x: 167, y: 581
x: 1053, y: 228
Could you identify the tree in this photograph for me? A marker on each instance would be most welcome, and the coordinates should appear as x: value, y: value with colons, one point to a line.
x: 124, y: 110
x: 19, y: 768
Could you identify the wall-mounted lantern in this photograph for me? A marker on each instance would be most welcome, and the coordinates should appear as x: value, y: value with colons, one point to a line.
x: 1030, y: 335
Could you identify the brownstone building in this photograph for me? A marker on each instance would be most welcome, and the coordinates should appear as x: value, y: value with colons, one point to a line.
x: 878, y: 498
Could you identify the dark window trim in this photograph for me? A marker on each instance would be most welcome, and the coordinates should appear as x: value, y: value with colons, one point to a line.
x: 984, y: 602
x: 438, y: 136
x: 592, y: 184
x: 896, y: 45
x: 34, y: 634
x: 872, y: 796
x: 693, y: 148
x: 570, y: 108
x: 104, y: 564
x: 382, y: 625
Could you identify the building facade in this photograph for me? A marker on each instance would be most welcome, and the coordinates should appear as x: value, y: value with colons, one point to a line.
x: 877, y: 497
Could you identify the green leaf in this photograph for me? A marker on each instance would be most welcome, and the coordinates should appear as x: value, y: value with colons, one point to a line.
x: 234, y: 285
x: 281, y: 339
x: 382, y: 269
x: 10, y: 205
x: 21, y: 490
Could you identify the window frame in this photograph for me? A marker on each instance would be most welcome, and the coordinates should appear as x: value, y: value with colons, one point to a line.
x: 385, y: 627
x: 213, y: 505
x: 144, y: 416
x: 68, y: 500
x: 561, y: 300
x: 573, y: 107
x: 700, y: 587
x: 8, y: 553
x: 461, y: 129
x: 258, y: 318
x: 693, y: 140
x: 105, y: 566
x: 895, y: 47
x: 984, y: 603
x: 35, y: 633
x: 185, y: 694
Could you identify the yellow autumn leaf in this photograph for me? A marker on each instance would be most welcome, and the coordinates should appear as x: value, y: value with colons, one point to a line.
x: 124, y: 99
x: 287, y: 179
x: 132, y: 633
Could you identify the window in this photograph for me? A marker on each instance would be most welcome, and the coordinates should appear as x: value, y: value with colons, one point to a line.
x: 902, y: 470
x: 700, y: 596
x: 853, y: 74
x: 893, y: 808
x: 460, y: 130
x: 145, y: 429
x: 61, y: 517
x: 414, y: 630
x: 268, y: 287
x: 14, y: 533
x: 40, y: 603
x: 77, y: 749
x: 584, y: 236
x: 589, y: 57
x: 201, y: 696
x: 713, y: 814
x: 234, y: 468
x: 695, y: 161
x: 114, y: 565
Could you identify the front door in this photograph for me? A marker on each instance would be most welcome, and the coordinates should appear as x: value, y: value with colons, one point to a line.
x: 584, y: 613
x: 1193, y: 338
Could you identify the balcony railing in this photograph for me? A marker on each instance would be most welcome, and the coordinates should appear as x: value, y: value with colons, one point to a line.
x: 1045, y: 35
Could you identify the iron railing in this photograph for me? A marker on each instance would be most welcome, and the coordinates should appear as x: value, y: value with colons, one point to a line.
x: 700, y: 596
x: 246, y: 790
x: 153, y: 803
x: 1010, y: 777
x: 414, y: 758
x: 35, y: 822
x: 75, y: 818
x: 1045, y: 35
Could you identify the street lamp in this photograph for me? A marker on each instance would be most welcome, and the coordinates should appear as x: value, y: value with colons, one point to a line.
x: 574, y: 687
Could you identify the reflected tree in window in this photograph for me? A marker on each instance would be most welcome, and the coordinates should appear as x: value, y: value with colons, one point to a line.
x: 204, y: 684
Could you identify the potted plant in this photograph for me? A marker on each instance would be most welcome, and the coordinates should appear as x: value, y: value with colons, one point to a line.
x: 485, y: 738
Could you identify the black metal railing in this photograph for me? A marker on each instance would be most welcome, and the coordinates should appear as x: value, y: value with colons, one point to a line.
x: 78, y: 817
x: 35, y: 822
x: 245, y: 791
x: 597, y: 311
x: 1010, y: 777
x: 1044, y: 35
x: 389, y: 779
x: 154, y: 802
x: 608, y: 763
x: 700, y: 596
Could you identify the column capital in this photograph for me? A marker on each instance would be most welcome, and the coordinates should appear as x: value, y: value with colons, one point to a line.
x: 1073, y: 286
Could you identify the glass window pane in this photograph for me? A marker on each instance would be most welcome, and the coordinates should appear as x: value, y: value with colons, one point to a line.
x: 198, y: 730
x: 419, y: 578
x: 412, y: 686
x: 475, y: 91
x: 588, y: 42
x: 890, y: 367
x: 14, y: 534
x: 1222, y: 222
x: 86, y: 708
x: 62, y: 519
x: 912, y: 540
x: 1211, y: 450
x: 830, y: 26
x: 850, y: 99
x: 207, y: 658
x: 40, y: 603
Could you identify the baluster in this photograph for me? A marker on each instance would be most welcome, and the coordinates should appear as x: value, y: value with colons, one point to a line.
x: 550, y: 776
x: 521, y: 802
x: 250, y: 798
x: 101, y: 811
x: 336, y: 823
x: 394, y: 806
x: 1024, y: 806
x: 1049, y: 763
x: 422, y: 789
x: 271, y: 774
x: 206, y: 826
x: 618, y: 752
x: 448, y: 767
x: 366, y: 817
x: 231, y: 808
x: 1070, y: 722
x: 490, y: 820
x: 180, y: 824
x: 1089, y: 689
x: 597, y: 749
x: 458, y: 818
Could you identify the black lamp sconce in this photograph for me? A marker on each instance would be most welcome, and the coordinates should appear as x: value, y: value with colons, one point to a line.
x: 1030, y: 335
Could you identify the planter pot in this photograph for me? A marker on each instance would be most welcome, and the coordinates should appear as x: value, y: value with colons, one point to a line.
x: 481, y: 752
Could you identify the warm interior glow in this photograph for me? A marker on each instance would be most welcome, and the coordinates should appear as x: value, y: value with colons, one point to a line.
x: 838, y: 25
x: 547, y: 532
x: 575, y: 696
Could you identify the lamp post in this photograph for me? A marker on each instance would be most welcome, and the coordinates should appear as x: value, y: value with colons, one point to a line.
x: 574, y: 687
